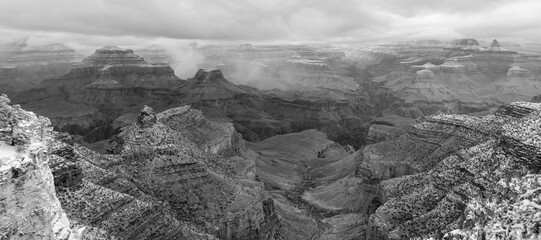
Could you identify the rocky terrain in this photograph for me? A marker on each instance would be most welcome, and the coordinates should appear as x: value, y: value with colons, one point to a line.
x: 378, y: 149
x: 155, y: 183
x: 461, y: 77
x: 30, y: 207
x: 259, y: 115
x: 467, y: 159
x: 444, y: 175
x: 108, y: 87
x: 100, y: 88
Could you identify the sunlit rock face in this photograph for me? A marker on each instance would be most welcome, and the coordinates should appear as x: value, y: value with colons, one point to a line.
x: 30, y: 207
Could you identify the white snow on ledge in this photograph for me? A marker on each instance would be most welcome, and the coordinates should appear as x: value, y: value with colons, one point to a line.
x: 8, y: 157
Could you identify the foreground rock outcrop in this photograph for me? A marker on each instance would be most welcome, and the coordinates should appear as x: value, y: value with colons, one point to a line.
x: 30, y: 208
x: 156, y: 184
x: 457, y: 162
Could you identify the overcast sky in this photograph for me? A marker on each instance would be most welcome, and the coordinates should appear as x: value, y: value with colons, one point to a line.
x: 100, y: 22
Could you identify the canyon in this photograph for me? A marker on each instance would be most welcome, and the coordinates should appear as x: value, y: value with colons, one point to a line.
x: 23, y: 66
x: 108, y: 87
x: 403, y: 140
x: 176, y: 174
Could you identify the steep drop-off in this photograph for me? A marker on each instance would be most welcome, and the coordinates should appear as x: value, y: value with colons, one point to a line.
x: 445, y: 175
x: 155, y: 184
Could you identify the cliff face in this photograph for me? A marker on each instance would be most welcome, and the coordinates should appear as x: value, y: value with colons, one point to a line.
x: 113, y: 56
x: 444, y: 177
x: 104, y: 74
x: 261, y: 115
x: 157, y: 184
x: 200, y: 188
x: 87, y: 99
x: 116, y: 82
x: 30, y: 207
x: 468, y: 74
x: 456, y: 162
x: 212, y: 137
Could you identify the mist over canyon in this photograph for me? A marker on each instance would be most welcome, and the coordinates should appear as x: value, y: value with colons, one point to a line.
x: 244, y: 120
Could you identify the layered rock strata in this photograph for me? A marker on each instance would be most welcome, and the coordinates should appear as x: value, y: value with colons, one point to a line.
x: 469, y: 158
x: 23, y: 66
x: 158, y: 184
x: 30, y: 207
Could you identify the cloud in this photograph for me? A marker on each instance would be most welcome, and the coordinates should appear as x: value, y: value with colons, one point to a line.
x: 97, y: 21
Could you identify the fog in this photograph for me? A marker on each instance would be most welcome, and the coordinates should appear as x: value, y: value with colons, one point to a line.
x: 177, y: 25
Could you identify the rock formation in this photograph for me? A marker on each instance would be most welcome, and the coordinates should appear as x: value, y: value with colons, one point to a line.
x: 157, y: 184
x: 423, y: 87
x: 495, y: 44
x: 261, y: 115
x: 102, y: 86
x: 23, y: 66
x: 466, y: 44
x: 518, y: 73
x: 386, y: 128
x: 114, y: 82
x: 109, y: 76
x: 211, y: 85
x: 455, y: 168
x: 213, y: 137
x: 30, y: 207
x: 113, y: 56
x: 467, y: 74
x: 446, y: 175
